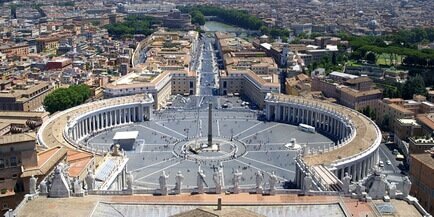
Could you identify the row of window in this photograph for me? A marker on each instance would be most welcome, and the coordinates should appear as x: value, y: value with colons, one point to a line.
x: 8, y: 162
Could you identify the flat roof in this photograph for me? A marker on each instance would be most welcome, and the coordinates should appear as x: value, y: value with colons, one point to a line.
x: 408, y: 121
x: 126, y: 135
x: 17, y: 138
x: 343, y: 75
x: 133, y: 205
x: 424, y: 158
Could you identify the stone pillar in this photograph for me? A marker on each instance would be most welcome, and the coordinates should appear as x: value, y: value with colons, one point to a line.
x: 134, y: 114
x: 354, y: 171
x: 359, y: 171
x: 105, y: 119
x: 342, y: 170
x: 140, y: 112
x: 98, y: 121
x: 365, y: 168
x: 93, y: 119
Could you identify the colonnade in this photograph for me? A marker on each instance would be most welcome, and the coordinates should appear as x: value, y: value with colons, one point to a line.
x: 358, y: 169
x: 108, y: 117
x: 329, y: 122
x: 325, y: 121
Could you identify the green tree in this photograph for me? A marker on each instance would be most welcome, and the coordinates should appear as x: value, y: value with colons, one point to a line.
x: 197, y: 17
x: 385, y: 123
x: 414, y: 85
x: 371, y: 57
x: 64, y: 98
x: 132, y: 24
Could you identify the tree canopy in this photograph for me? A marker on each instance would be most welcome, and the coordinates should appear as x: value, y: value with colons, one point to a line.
x: 64, y: 98
x: 197, y: 17
x: 414, y: 85
x: 132, y: 24
x: 403, y: 43
x: 239, y: 18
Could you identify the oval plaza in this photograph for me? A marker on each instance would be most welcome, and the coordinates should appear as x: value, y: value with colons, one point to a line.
x: 352, y: 145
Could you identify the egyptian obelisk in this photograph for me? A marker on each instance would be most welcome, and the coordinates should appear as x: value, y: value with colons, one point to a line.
x: 209, y: 124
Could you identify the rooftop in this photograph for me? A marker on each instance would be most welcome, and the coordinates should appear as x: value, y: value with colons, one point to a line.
x: 425, y: 158
x: 17, y: 138
x: 133, y: 205
x: 47, y: 159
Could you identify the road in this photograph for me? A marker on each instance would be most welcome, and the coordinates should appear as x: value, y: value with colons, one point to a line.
x: 208, y: 79
x: 392, y: 171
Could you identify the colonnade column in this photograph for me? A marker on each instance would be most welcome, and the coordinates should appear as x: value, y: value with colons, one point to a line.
x: 354, y: 170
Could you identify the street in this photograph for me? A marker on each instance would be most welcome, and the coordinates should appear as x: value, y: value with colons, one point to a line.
x: 392, y: 171
x: 207, y: 76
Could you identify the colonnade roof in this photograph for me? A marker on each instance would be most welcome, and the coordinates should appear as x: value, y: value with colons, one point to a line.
x: 366, y: 132
x: 51, y: 131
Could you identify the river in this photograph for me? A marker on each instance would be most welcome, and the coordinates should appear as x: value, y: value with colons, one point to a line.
x: 214, y: 26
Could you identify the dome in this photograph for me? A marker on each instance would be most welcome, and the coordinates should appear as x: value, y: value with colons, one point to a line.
x: 373, y: 24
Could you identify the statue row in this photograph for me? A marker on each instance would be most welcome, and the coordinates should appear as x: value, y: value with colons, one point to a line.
x: 218, y: 178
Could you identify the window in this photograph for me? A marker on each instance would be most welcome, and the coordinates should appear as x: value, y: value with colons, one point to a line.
x: 13, y: 161
x: 2, y: 163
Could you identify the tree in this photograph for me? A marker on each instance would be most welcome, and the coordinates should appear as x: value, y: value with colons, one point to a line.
x: 132, y: 24
x: 385, y: 123
x: 371, y: 57
x: 414, y: 85
x: 64, y: 98
x: 197, y: 17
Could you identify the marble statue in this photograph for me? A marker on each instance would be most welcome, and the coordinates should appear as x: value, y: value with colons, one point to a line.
x: 376, y: 185
x: 259, y: 182
x: 359, y: 189
x: 217, y: 178
x: 32, y: 183
x: 90, y: 181
x: 200, y: 180
x: 163, y: 183
x: 43, y: 187
x: 179, y: 178
x: 77, y: 186
x: 236, y: 181
x: 307, y: 183
x: 116, y: 150
x: 346, y: 181
x: 60, y: 187
x: 406, y: 186
x: 130, y: 181
x: 273, y: 181
x: 305, y: 150
x: 392, y: 190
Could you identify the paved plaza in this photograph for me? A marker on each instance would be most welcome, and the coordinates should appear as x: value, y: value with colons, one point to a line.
x: 260, y: 146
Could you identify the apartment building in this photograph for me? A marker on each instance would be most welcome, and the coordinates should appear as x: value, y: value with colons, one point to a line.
x: 299, y: 85
x: 248, y: 84
x: 19, y: 49
x: 25, y: 96
x: 165, y: 72
x: 422, y: 176
x: 349, y: 90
